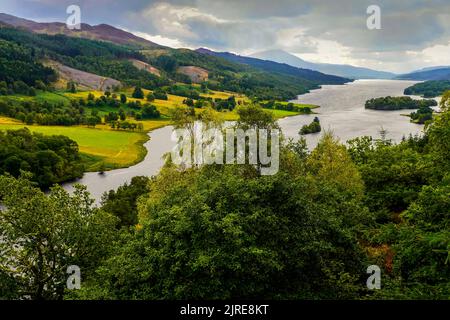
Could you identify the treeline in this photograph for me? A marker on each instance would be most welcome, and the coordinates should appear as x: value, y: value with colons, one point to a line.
x: 217, y: 104
x: 50, y: 159
x: 225, y: 75
x: 44, y: 113
x: 428, y: 89
x: 308, y: 232
x: 422, y: 115
x: 99, y: 57
x: 398, y: 103
x: 76, y: 111
x: 313, y: 127
x: 111, y: 60
x: 285, y: 106
x: 20, y: 73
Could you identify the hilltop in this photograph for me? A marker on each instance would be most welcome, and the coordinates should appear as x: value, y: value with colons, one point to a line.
x: 437, y: 73
x: 103, y: 32
x: 342, y: 70
x: 113, y: 53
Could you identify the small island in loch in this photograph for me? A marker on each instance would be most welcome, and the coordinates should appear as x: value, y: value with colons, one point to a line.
x: 398, y: 103
x: 313, y: 127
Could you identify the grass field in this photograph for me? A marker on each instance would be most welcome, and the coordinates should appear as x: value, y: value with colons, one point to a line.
x: 41, y: 96
x: 164, y: 106
x: 101, y: 146
x: 104, y: 148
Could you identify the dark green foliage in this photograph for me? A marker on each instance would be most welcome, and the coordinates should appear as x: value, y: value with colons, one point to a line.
x: 167, y: 63
x: 422, y: 115
x: 429, y: 89
x: 150, y: 97
x: 123, y: 202
x: 110, y: 60
x: 51, y: 159
x: 111, y: 116
x: 20, y: 69
x: 189, y: 102
x: 216, y: 234
x: 225, y: 104
x: 160, y: 95
x: 71, y: 87
x: 398, y: 103
x: 184, y: 91
x: 250, y: 80
x: 42, y: 235
x: 44, y: 113
x: 99, y: 57
x: 313, y: 127
x: 138, y: 93
x: 421, y: 245
x: 125, y: 125
x: 150, y: 112
x: 285, y: 106
x: 407, y: 186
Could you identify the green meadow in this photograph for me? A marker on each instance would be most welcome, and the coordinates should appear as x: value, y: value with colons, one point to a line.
x: 102, y: 148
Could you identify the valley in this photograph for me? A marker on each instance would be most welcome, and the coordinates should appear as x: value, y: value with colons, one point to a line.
x: 219, y: 165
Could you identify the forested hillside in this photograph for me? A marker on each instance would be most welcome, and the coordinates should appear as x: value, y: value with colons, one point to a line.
x: 398, y: 103
x: 307, y: 232
x: 49, y: 159
x: 433, y: 74
x: 19, y: 63
x: 112, y: 60
x: 275, y: 67
x: 428, y: 89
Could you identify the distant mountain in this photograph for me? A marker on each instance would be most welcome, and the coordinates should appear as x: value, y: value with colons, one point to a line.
x: 430, y: 69
x: 341, y: 70
x: 427, y: 74
x: 99, y: 32
x: 281, y: 68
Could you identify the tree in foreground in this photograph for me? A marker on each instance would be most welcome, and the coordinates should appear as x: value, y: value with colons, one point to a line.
x: 219, y: 232
x: 41, y: 236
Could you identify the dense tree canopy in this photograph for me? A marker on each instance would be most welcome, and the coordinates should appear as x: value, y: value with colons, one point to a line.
x: 43, y: 235
x: 225, y: 231
x: 398, y: 103
x: 50, y: 159
x: 429, y: 89
x: 19, y: 68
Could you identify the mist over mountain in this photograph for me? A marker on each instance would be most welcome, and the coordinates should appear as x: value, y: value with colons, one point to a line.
x: 432, y: 73
x: 341, y: 70
x: 277, y: 67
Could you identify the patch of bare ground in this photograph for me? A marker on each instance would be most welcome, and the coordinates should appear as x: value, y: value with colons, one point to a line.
x: 84, y: 80
x: 196, y: 74
x: 141, y: 65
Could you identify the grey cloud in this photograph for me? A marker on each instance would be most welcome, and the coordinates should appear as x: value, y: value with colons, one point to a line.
x: 251, y: 25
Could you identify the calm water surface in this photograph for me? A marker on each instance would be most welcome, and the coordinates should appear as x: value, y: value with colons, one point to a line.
x: 342, y: 111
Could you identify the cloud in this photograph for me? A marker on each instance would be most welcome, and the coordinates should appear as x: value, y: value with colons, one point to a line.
x: 414, y: 32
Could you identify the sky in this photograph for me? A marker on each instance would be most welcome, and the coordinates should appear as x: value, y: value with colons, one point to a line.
x: 414, y: 33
